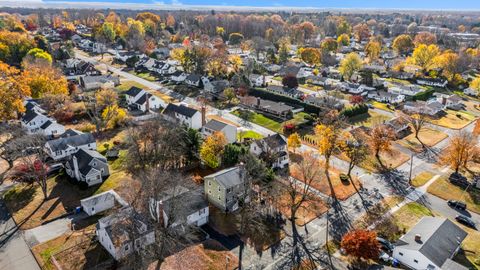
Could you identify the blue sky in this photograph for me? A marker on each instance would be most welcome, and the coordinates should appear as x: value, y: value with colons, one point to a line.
x: 400, y: 4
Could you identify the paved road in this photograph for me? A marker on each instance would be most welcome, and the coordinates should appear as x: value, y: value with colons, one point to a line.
x: 440, y: 206
x: 14, y: 251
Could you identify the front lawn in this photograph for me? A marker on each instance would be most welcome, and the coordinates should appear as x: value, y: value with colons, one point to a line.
x: 262, y: 120
x: 249, y: 134
x: 444, y: 189
x: 389, y: 160
x: 144, y: 75
x: 125, y: 85
x: 298, y: 119
x: 469, y: 256
x: 369, y: 119
x: 381, y: 106
x: 454, y: 119
x: 429, y: 137
x: 421, y: 179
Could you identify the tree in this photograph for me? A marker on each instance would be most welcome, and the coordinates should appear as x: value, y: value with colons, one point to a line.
x: 14, y: 46
x: 403, y: 44
x: 356, y: 99
x: 236, y: 62
x: 44, y: 79
x: 426, y: 38
x: 113, y: 116
x: 361, y: 244
x: 294, y: 141
x: 417, y: 121
x: 451, y: 64
x: 283, y: 51
x: 355, y: 150
x: 135, y: 35
x: 424, y: 56
x: 108, y: 32
x: 212, y: 149
x: 290, y: 81
x: 231, y: 155
x: 10, y: 148
x: 229, y: 94
x: 343, y: 40
x: 344, y: 28
x: 349, y: 65
x: 361, y: 31
x: 372, y: 50
x: 235, y: 38
x: 37, y: 54
x: 461, y: 150
x: 475, y: 85
x: 311, y: 56
x: 380, y: 140
x: 12, y: 92
x: 329, y: 45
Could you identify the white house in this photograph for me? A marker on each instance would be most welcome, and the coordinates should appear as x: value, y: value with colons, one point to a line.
x: 432, y: 82
x: 32, y: 121
x: 51, y: 129
x: 99, y: 203
x: 215, y: 87
x: 470, y: 91
x: 229, y: 131
x: 124, y: 232
x: 386, y: 97
x: 272, y: 145
x: 140, y: 99
x: 184, y: 115
x: 87, y: 166
x: 178, y: 76
x: 65, y: 146
x: 96, y: 82
x: 180, y: 207
x: 257, y: 80
x: 431, y: 244
x: 194, y: 80
x: 406, y: 90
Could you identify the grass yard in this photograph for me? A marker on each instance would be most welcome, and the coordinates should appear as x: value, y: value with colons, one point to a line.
x: 249, y: 134
x: 263, y: 121
x: 421, y: 179
x: 450, y: 120
x: 125, y: 85
x: 368, y: 119
x: 444, y: 189
x: 469, y: 256
x: 144, y: 75
x: 207, y: 255
x: 342, y: 190
x: 381, y: 106
x: 390, y: 160
x: 429, y: 137
x: 298, y: 119
x: 76, y: 250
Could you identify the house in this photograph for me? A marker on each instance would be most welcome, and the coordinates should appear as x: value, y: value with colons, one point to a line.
x: 163, y: 68
x: 432, y: 82
x: 280, y: 90
x: 102, y: 202
x: 430, y: 244
x: 399, y: 126
x: 276, y: 109
x: 51, y: 129
x: 96, y: 82
x: 32, y: 120
x: 406, y: 90
x: 145, y: 63
x: 319, y: 80
x: 184, y: 115
x: 227, y: 189
x: 181, y: 207
x: 194, y: 80
x: 215, y: 87
x: 87, y: 166
x: 470, y: 91
x: 386, y: 97
x: 65, y: 146
x: 139, y: 99
x: 32, y: 105
x: 453, y: 101
x: 324, y: 102
x: 256, y: 80
x: 124, y: 232
x: 77, y: 67
x: 229, y: 131
x: 400, y: 75
x: 431, y: 108
x: 123, y: 56
x: 178, y: 76
x: 273, y: 145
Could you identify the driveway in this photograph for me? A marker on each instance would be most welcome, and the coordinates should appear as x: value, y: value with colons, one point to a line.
x: 14, y: 252
x: 440, y: 206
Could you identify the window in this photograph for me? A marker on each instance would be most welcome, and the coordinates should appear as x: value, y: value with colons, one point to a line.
x: 218, y: 188
x: 415, y: 261
x: 209, y: 192
x: 126, y: 247
x: 202, y: 211
x: 219, y: 197
x: 209, y: 183
x: 400, y: 253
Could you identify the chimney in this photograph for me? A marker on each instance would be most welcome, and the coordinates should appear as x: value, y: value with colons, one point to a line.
x: 418, y: 238
x: 204, y: 112
x: 75, y: 167
x: 258, y: 101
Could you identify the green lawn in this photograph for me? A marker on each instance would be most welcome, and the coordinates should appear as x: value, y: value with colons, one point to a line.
x: 454, y: 119
x: 299, y: 118
x: 144, y: 75
x: 262, y: 120
x: 249, y: 134
x: 421, y: 179
x: 125, y: 85
x: 381, y: 106
x: 369, y: 119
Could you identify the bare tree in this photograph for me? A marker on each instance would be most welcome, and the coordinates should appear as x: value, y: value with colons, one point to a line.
x: 417, y: 121
x: 9, y: 150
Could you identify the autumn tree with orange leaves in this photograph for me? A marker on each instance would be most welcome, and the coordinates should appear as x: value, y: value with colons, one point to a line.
x: 361, y: 244
x: 12, y: 91
x: 461, y: 150
x: 380, y: 140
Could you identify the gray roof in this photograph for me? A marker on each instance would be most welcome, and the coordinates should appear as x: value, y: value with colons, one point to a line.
x: 440, y: 237
x: 29, y: 116
x: 215, y: 125
x: 84, y: 157
x: 185, y: 204
x: 180, y: 109
x: 74, y: 141
x: 230, y: 177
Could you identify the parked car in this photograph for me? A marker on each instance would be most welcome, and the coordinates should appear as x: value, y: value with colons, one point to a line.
x: 385, y: 244
x: 459, y: 180
x: 385, y: 257
x: 465, y: 221
x: 457, y: 204
x: 53, y: 169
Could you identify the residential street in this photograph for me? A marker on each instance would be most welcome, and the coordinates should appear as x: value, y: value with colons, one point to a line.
x: 14, y: 251
x: 377, y: 186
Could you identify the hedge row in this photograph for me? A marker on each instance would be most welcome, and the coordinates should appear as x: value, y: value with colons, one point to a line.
x: 354, y: 110
x: 425, y: 95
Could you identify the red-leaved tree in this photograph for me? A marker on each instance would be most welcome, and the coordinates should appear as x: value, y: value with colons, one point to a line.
x: 361, y: 244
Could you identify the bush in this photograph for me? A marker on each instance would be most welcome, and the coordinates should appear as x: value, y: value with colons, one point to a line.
x: 308, y: 108
x: 343, y: 178
x: 425, y: 95
x: 354, y: 110
x: 87, y: 127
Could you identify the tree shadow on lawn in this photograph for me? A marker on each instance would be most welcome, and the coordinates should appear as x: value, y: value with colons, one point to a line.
x: 397, y: 180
